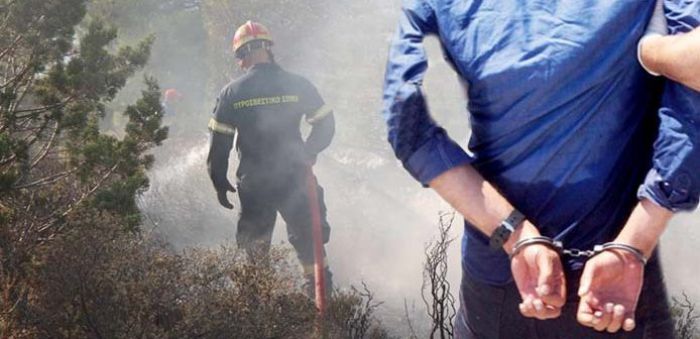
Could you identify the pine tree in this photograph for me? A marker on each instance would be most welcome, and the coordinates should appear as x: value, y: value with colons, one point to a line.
x: 55, y: 164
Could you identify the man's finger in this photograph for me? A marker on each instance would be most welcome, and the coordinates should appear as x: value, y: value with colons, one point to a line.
x: 629, y: 323
x: 618, y: 316
x: 550, y: 287
x: 526, y: 308
x: 584, y: 314
x: 547, y: 312
x: 557, y: 293
x: 538, y: 305
x: 556, y: 299
x: 602, y: 318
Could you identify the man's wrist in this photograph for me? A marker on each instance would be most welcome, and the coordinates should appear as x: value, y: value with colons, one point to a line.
x: 645, y: 226
x: 506, y: 228
x: 523, y: 231
x: 626, y: 251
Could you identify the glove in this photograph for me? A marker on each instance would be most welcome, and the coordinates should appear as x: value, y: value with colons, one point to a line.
x: 221, y: 194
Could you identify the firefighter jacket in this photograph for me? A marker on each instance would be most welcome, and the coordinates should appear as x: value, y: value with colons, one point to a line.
x: 263, y: 110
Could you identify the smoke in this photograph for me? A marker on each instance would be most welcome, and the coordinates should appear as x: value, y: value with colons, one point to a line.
x: 678, y: 246
x: 381, y: 218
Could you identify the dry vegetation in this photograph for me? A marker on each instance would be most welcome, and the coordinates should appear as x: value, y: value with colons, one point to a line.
x: 95, y: 282
x: 73, y: 263
x: 436, y: 292
x: 685, y: 318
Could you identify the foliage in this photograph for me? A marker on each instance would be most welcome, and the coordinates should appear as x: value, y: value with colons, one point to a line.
x: 177, y: 57
x: 113, y: 284
x: 68, y: 269
x: 117, y: 285
x: 54, y: 162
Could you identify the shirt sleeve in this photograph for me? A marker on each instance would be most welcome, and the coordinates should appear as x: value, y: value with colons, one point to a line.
x: 674, y: 180
x: 422, y: 146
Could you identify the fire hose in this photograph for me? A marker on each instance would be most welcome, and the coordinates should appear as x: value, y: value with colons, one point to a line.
x: 317, y: 232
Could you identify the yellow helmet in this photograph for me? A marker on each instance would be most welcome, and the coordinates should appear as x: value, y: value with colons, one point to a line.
x: 249, y: 32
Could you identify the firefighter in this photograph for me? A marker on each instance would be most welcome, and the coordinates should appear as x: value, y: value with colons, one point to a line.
x: 262, y: 111
x: 171, y: 100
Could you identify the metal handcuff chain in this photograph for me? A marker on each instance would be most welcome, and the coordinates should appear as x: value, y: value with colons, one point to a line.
x: 575, y: 252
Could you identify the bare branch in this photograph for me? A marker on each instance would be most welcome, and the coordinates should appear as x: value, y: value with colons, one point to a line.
x: 19, y: 75
x: 685, y: 317
x: 80, y: 201
x: 435, y: 291
x: 47, y: 180
x: 11, y: 46
x: 6, y: 19
x: 28, y: 85
x: 8, y: 5
x: 93, y: 189
x: 412, y: 331
x: 47, y: 147
x: 7, y: 160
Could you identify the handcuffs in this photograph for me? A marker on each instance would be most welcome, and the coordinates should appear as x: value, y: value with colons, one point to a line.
x: 574, y: 252
x: 513, y: 221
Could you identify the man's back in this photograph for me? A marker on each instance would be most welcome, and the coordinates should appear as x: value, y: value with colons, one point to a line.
x: 266, y: 107
x: 563, y: 120
x: 568, y: 148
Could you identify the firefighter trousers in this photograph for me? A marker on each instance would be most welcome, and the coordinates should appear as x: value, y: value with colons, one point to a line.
x: 262, y: 198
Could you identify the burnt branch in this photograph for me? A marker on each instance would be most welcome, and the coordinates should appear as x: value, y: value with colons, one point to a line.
x: 439, y: 301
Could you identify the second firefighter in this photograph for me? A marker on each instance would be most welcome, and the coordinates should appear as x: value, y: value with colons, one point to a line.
x: 262, y: 112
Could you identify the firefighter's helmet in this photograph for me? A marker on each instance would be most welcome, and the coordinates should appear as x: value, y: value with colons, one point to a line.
x: 172, y: 95
x: 248, y: 33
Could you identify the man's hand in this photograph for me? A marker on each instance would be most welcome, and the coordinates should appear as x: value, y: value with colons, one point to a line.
x: 538, y: 273
x: 609, y: 291
x: 536, y: 269
x: 612, y: 280
x: 221, y: 194
x: 676, y: 57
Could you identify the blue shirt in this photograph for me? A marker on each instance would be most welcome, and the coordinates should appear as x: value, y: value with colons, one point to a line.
x: 565, y: 123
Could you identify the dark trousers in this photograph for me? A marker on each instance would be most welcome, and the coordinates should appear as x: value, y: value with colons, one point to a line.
x: 262, y: 197
x: 488, y: 312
